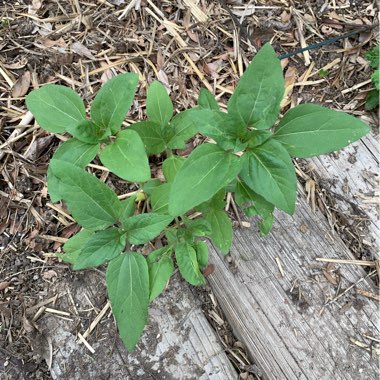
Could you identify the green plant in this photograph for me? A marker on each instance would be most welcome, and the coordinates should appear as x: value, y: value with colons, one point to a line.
x: 322, y: 73
x: 372, y: 100
x: 5, y: 22
x: 247, y: 157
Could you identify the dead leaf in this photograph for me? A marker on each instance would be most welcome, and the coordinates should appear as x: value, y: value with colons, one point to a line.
x: 185, y: 151
x: 81, y: 50
x: 4, y: 285
x: 310, y: 191
x: 37, y: 4
x: 106, y: 76
x: 209, y: 270
x: 49, y: 274
x: 284, y: 63
x: 38, y: 147
x: 43, y: 347
x: 213, y: 68
x: 22, y: 85
x: 291, y: 75
x: 188, y: 27
x: 285, y: 17
x: 327, y: 272
x: 28, y: 326
x: 17, y: 65
x: 328, y: 30
x: 163, y: 78
x: 361, y: 61
x: 44, y: 192
x: 48, y: 43
x: 87, y: 22
x: 160, y: 59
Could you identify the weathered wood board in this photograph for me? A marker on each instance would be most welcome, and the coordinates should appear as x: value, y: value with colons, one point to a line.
x: 282, y: 319
x: 178, y: 342
x: 353, y: 174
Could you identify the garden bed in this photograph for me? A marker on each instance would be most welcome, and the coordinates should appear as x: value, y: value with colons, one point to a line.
x: 271, y: 309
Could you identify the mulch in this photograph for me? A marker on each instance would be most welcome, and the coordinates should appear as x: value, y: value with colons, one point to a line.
x: 186, y: 45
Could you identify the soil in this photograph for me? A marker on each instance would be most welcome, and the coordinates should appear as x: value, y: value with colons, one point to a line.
x: 81, y: 44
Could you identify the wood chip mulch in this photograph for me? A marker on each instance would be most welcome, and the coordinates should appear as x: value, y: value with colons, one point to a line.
x: 186, y: 45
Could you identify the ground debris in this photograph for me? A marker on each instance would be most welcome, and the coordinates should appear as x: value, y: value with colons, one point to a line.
x: 186, y: 45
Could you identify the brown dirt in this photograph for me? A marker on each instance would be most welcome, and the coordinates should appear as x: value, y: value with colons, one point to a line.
x: 81, y: 44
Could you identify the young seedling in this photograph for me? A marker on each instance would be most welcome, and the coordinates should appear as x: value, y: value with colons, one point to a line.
x: 248, y: 155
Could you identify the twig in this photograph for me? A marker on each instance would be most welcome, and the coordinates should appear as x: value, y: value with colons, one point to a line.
x: 339, y: 261
x: 349, y: 288
x: 241, y: 30
x: 96, y: 320
x: 14, y: 136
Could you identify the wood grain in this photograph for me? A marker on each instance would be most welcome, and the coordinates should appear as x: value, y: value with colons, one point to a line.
x: 178, y: 342
x: 353, y: 175
x: 282, y: 320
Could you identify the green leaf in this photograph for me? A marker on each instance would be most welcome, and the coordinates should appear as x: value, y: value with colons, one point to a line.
x: 113, y: 101
x: 145, y: 227
x: 74, y: 151
x: 372, y: 100
x: 127, y: 282
x: 205, y: 172
x: 268, y: 170
x: 126, y: 157
x: 310, y: 130
x: 185, y: 235
x: 202, y: 253
x: 207, y: 100
x: 74, y: 245
x: 266, y: 224
x: 221, y: 229
x: 188, y: 265
x: 86, y: 131
x: 157, y: 254
x: 323, y: 73
x: 56, y: 108
x: 150, y: 185
x: 375, y: 77
x: 181, y: 129
x: 373, y: 56
x: 159, y: 198
x: 257, y: 137
x: 198, y: 226
x: 77, y: 242
x: 152, y: 136
x: 231, y: 186
x: 102, y: 246
x: 226, y: 130
x: 171, y: 236
x: 256, y: 100
x: 128, y: 207
x: 217, y: 202
x: 252, y: 203
x: 159, y: 106
x: 92, y: 203
x: 171, y: 166
x: 160, y: 272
